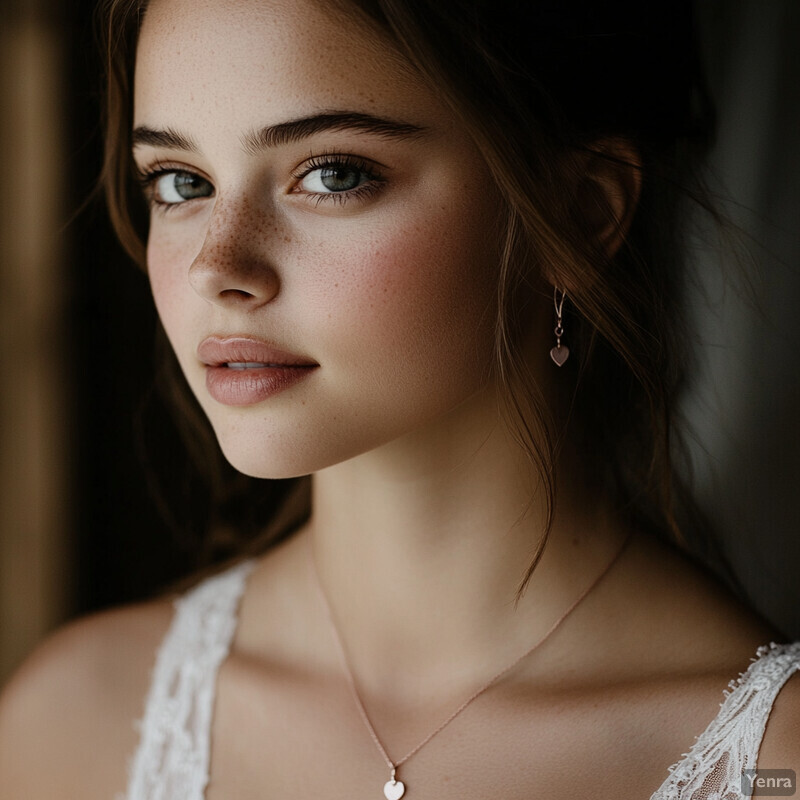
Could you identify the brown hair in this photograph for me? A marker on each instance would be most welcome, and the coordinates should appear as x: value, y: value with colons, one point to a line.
x: 539, y: 86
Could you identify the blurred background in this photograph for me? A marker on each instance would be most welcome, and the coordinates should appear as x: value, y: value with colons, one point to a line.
x: 80, y: 529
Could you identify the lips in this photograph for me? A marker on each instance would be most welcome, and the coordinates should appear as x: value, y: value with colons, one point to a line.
x: 217, y: 351
x: 244, y: 371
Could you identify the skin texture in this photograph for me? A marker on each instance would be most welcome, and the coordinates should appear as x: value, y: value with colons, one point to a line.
x: 390, y: 293
x: 425, y: 510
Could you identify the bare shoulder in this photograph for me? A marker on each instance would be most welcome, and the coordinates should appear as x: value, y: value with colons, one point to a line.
x: 682, y: 613
x: 67, y: 716
x: 780, y: 747
x: 711, y: 632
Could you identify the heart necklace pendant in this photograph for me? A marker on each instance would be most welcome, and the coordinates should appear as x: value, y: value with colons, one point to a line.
x: 393, y: 789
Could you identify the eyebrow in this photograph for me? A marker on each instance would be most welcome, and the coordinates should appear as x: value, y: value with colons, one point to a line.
x: 298, y: 129
x: 162, y: 138
x: 287, y: 132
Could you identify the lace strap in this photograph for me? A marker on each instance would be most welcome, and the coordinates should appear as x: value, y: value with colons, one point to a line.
x: 173, y: 755
x: 712, y: 769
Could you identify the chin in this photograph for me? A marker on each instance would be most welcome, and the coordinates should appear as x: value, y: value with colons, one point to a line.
x: 266, y: 462
x: 274, y: 454
x: 271, y: 456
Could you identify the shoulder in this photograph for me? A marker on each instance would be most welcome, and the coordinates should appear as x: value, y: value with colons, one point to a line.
x: 780, y: 747
x: 67, y: 716
x: 681, y: 605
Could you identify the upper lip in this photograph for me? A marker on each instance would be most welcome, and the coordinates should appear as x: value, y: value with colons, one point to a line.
x: 214, y: 351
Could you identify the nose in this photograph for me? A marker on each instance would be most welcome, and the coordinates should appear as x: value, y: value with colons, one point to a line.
x: 232, y: 268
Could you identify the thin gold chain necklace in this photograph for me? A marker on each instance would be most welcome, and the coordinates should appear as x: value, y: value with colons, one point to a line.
x: 394, y: 789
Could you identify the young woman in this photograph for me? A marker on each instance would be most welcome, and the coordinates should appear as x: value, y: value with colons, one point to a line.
x: 427, y: 254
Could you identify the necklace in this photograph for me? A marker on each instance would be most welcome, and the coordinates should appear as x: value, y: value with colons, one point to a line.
x: 394, y: 789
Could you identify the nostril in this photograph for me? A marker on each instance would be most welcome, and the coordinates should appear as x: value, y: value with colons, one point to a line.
x: 235, y: 294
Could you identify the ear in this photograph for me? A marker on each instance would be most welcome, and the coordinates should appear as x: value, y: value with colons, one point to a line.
x: 608, y: 191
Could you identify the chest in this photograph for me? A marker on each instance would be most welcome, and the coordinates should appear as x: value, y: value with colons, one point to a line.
x: 248, y: 729
x: 288, y: 737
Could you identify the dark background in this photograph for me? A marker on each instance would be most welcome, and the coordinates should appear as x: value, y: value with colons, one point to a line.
x: 123, y: 547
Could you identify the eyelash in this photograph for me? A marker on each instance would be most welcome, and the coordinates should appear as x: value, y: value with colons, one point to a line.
x: 148, y: 177
x: 338, y: 160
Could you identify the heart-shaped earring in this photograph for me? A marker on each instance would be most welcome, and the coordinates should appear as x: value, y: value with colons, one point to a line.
x: 559, y: 353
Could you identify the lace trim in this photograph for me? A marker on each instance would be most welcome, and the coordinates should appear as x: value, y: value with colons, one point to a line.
x: 172, y: 760
x: 712, y: 769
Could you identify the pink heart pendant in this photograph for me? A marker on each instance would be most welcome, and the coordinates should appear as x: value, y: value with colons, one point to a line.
x: 560, y: 354
x: 394, y: 790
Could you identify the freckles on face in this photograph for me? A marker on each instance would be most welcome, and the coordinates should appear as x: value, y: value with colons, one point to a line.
x: 375, y: 255
x: 409, y: 302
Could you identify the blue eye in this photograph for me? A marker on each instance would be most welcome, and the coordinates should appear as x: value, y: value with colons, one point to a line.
x: 335, y: 178
x: 172, y: 187
x: 338, y: 178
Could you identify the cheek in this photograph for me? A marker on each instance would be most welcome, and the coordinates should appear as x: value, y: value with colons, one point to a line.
x: 168, y: 259
x: 415, y: 296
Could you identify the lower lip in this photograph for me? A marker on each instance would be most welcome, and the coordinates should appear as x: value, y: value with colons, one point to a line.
x: 245, y: 387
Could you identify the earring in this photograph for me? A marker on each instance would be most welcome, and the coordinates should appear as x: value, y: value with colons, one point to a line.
x: 559, y: 353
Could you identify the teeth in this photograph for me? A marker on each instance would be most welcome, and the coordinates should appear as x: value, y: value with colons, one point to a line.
x: 246, y: 365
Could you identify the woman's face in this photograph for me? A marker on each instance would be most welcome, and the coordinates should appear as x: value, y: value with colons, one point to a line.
x: 323, y: 245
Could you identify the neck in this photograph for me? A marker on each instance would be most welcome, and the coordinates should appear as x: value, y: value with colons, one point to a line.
x: 422, y: 545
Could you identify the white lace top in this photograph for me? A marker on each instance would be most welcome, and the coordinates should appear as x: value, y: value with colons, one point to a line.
x: 172, y: 760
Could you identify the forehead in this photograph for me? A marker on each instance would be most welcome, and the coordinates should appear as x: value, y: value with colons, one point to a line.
x: 204, y: 61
